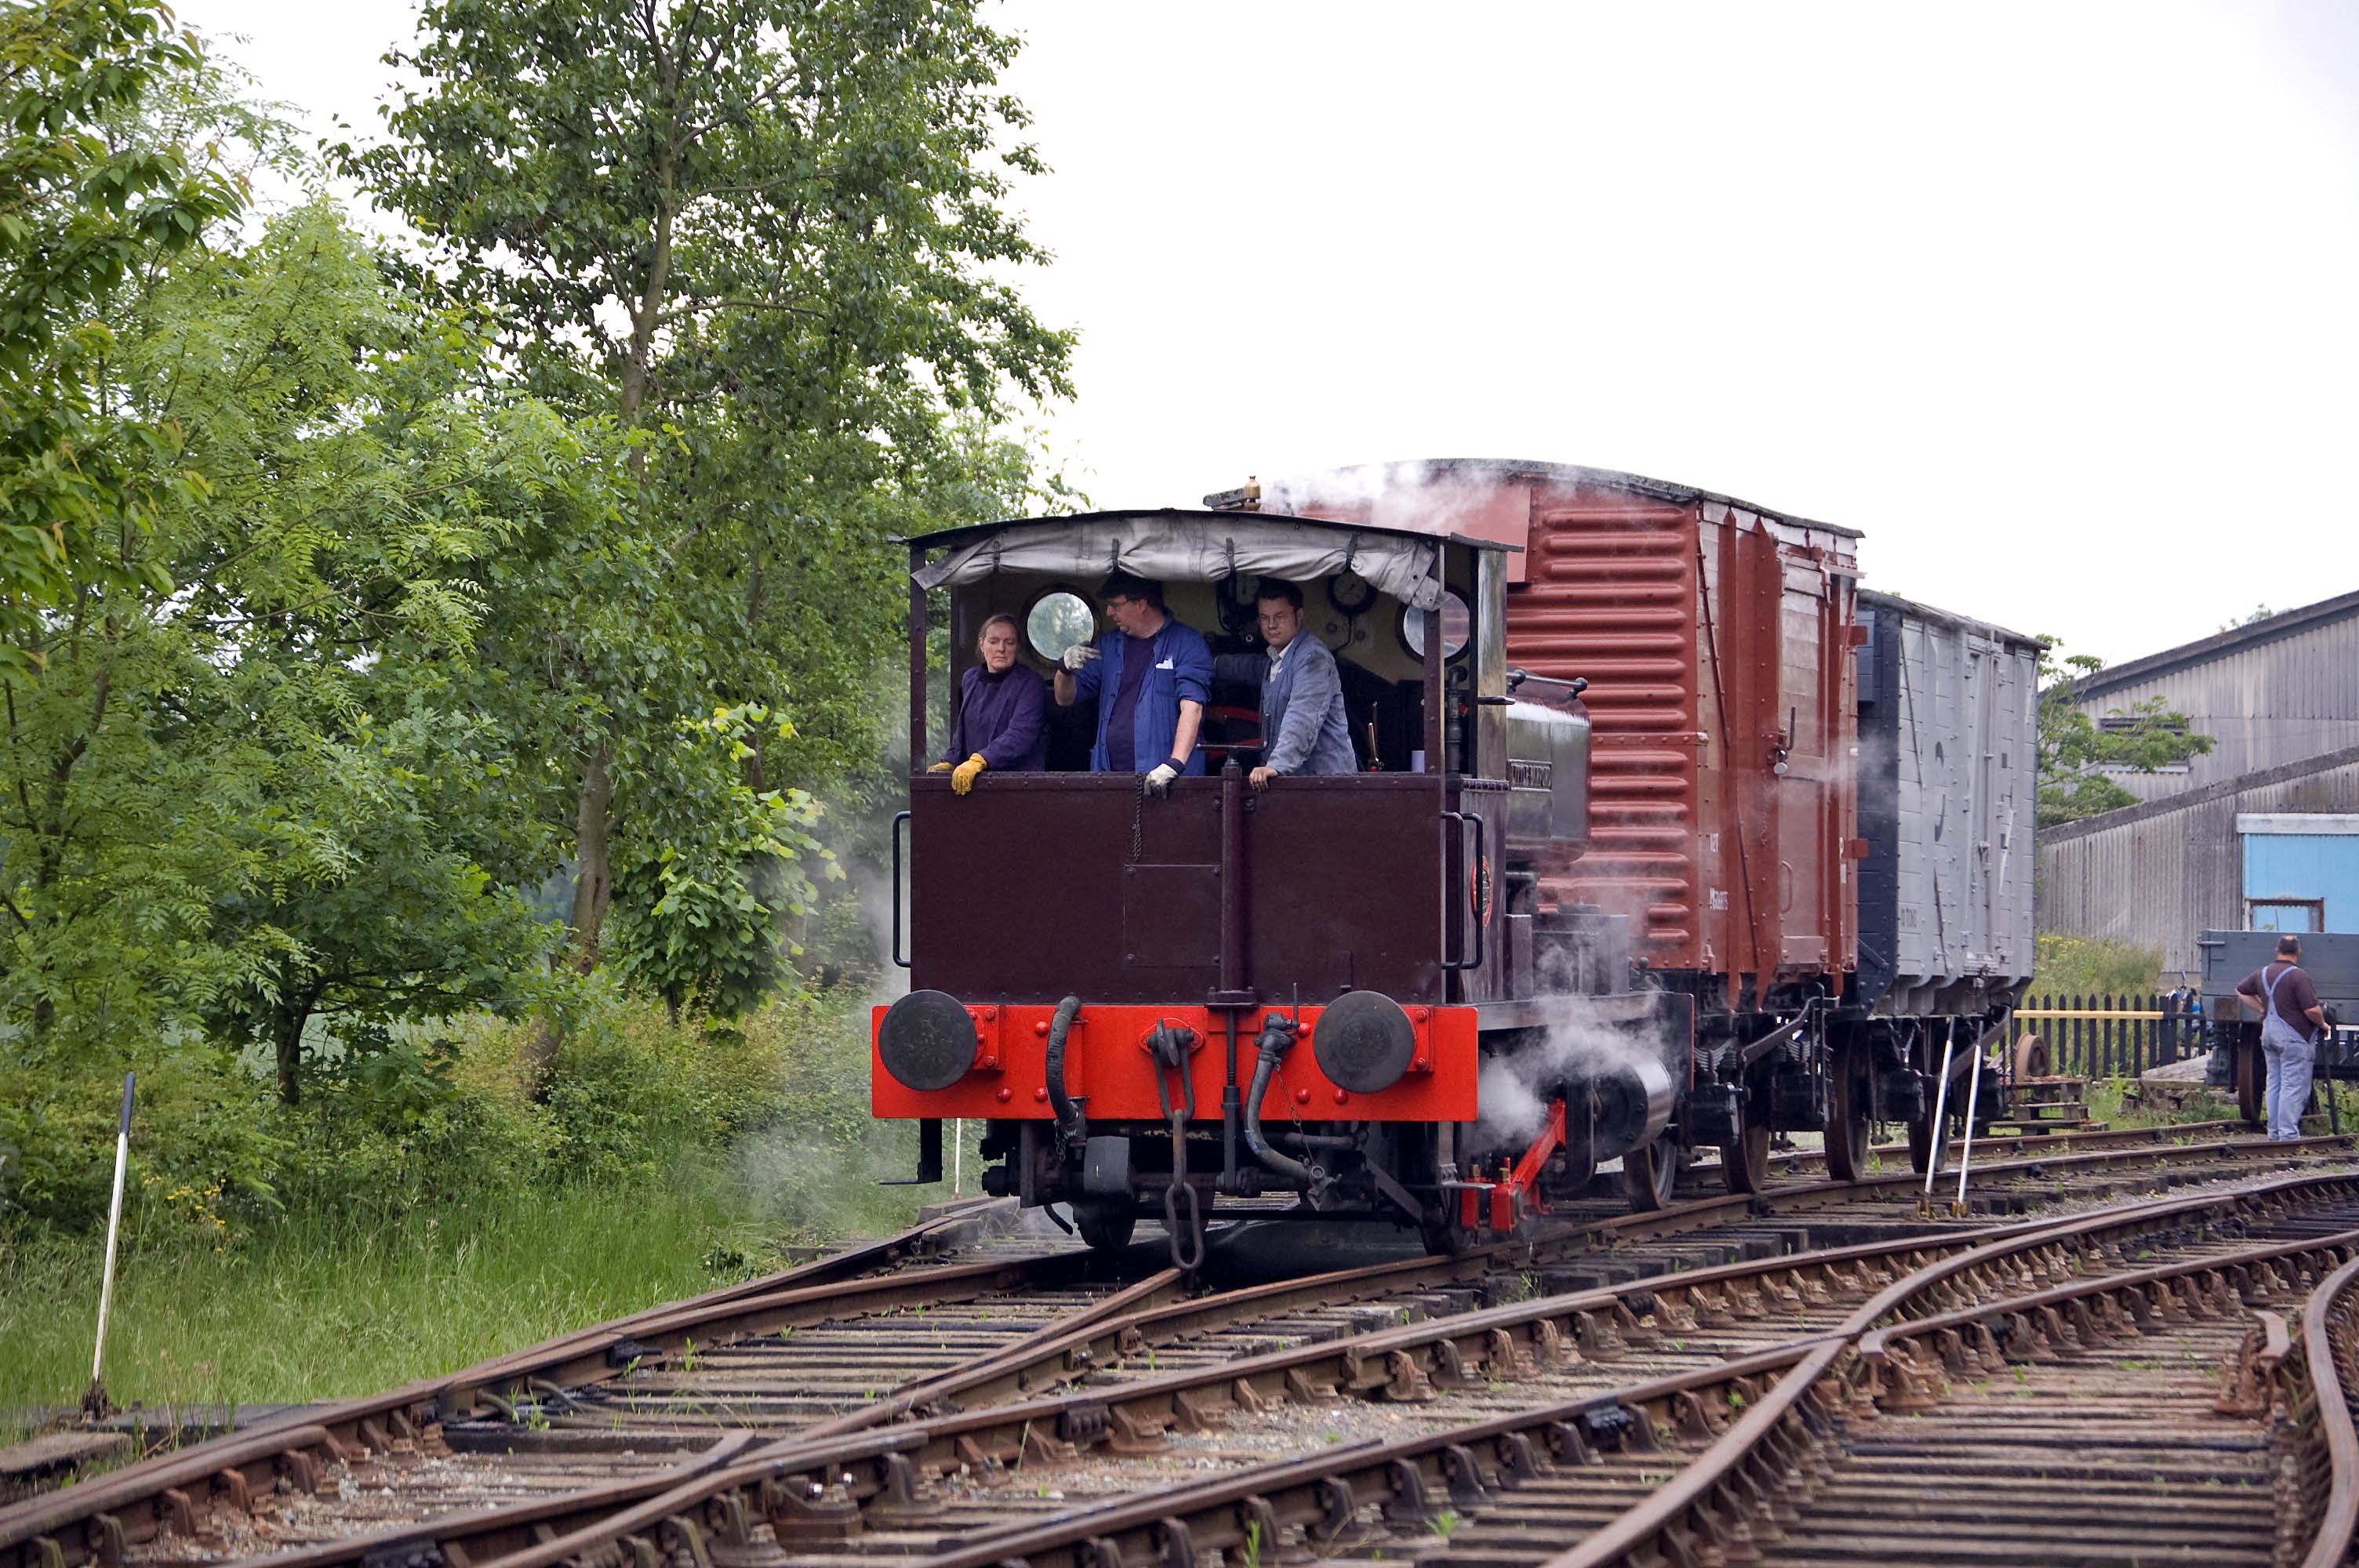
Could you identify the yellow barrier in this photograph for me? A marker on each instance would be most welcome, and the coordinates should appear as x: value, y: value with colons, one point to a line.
x: 2060, y: 1013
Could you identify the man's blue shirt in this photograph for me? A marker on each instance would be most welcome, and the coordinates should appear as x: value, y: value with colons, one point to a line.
x: 1182, y: 671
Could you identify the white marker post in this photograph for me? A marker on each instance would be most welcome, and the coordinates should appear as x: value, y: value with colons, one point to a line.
x: 1940, y: 1109
x: 1966, y: 1158
x: 114, y: 1225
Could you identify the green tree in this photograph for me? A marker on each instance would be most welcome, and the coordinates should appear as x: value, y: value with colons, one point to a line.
x: 241, y: 785
x: 2149, y: 736
x: 82, y: 210
x: 765, y: 237
x: 258, y: 797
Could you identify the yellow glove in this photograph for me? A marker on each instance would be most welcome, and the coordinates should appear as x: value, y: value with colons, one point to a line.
x: 940, y: 768
x: 963, y: 777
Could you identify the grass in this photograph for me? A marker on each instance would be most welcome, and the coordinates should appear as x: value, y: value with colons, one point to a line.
x: 2206, y: 1104
x: 2106, y: 1104
x: 310, y: 1308
x: 335, y: 1301
x: 2081, y: 966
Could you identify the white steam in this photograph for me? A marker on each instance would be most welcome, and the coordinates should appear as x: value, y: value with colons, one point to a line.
x: 1438, y: 498
x: 1579, y: 1044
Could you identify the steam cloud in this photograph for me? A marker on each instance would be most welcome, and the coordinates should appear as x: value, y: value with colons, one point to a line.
x: 1579, y: 1042
x: 1442, y: 498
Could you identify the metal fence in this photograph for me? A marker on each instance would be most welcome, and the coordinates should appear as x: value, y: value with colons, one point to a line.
x: 2105, y: 1036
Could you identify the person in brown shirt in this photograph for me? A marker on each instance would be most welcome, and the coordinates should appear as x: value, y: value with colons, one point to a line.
x: 2281, y: 992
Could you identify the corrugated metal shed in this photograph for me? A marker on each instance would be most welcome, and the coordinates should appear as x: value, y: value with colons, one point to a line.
x: 2277, y: 691
x: 2160, y: 873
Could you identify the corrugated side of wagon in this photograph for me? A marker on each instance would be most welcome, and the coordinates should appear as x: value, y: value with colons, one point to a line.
x: 1717, y: 639
x: 1717, y: 645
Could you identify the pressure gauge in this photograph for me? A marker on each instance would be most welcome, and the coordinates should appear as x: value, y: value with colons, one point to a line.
x: 1350, y: 593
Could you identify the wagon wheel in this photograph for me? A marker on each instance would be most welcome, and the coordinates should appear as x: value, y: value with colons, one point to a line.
x: 1745, y: 1164
x: 1928, y: 1153
x: 1105, y: 1224
x: 1851, y: 1106
x: 1648, y: 1176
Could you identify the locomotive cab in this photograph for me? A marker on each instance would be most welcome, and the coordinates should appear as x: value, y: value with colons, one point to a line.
x: 1346, y: 990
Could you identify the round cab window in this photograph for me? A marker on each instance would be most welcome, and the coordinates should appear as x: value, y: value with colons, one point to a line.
x: 1059, y: 621
x: 1457, y: 624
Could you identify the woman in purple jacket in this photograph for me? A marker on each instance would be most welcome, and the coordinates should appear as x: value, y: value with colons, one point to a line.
x: 1002, y: 712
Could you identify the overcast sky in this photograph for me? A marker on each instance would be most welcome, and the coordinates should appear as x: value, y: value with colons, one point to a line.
x: 2059, y: 303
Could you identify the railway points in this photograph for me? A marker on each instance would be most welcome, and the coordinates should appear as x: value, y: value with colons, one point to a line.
x: 1117, y: 1386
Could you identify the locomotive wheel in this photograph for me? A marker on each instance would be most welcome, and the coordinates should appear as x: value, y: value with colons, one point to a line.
x: 1106, y: 1227
x: 2251, y: 1079
x: 1443, y: 1239
x: 1648, y: 1176
x: 1571, y: 1183
x: 1851, y: 1103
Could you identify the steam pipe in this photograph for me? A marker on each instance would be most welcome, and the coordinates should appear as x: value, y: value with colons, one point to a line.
x: 1320, y: 1139
x: 1277, y: 1039
x: 1072, y: 1127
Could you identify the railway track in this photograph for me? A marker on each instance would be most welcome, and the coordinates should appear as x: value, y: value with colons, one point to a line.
x: 281, y: 1454
x: 2016, y: 1393
x: 1992, y: 1374
x: 547, y: 1444
x: 1797, y: 1161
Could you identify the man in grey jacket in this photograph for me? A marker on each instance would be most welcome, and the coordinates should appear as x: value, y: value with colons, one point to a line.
x: 1302, y: 725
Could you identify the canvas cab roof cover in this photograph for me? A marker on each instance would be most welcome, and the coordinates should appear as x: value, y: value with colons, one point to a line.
x: 1172, y: 546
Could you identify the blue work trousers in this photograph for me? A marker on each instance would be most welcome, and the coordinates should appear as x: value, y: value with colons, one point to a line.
x: 2288, y: 1084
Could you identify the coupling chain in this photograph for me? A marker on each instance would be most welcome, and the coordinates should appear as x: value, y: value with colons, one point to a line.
x: 1168, y: 1050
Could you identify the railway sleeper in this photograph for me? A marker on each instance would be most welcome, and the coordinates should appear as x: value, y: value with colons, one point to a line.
x: 1596, y: 1330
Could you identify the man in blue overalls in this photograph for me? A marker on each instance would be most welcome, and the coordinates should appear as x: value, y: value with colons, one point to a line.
x: 2288, y: 1002
x: 1150, y: 677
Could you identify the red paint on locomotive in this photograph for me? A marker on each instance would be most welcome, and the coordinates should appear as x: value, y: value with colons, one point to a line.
x: 1108, y: 1066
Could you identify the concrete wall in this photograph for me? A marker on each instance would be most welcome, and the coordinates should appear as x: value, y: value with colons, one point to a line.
x: 2160, y: 873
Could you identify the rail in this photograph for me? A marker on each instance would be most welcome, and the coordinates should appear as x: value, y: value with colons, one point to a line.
x: 145, y: 1495
x: 1719, y: 1492
x: 1424, y: 1479
x: 139, y: 1505
x: 2330, y: 1333
x: 880, y: 1470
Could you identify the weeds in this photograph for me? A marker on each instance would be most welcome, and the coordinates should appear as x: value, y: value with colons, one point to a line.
x: 494, y: 1222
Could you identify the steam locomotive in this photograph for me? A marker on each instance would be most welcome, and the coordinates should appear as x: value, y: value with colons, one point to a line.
x: 1669, y: 837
